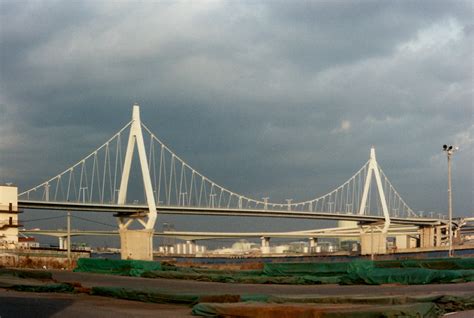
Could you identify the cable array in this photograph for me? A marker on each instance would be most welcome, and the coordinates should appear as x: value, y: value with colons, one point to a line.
x: 96, y: 178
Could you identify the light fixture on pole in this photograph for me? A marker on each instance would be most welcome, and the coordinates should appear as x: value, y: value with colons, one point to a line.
x: 449, y: 152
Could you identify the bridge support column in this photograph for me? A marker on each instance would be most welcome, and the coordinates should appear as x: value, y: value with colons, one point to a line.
x: 427, y: 236
x: 402, y: 242
x: 371, y: 242
x: 136, y: 244
x: 405, y: 241
x: 439, y: 235
x: 265, y: 245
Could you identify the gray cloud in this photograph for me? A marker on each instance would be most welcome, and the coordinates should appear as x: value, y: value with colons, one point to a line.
x: 279, y: 99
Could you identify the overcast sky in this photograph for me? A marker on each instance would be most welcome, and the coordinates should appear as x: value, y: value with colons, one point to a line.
x: 268, y: 98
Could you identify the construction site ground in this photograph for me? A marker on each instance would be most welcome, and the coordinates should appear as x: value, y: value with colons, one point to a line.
x: 33, y: 304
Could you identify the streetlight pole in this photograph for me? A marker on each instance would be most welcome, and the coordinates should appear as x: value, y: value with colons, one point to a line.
x: 69, y: 260
x: 449, y: 152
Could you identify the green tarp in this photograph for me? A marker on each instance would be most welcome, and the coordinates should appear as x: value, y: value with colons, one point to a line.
x: 369, y: 273
x: 145, y: 295
x: 378, y: 272
x: 356, y: 272
x: 50, y: 288
x: 116, y: 267
x: 153, y: 295
x: 327, y: 269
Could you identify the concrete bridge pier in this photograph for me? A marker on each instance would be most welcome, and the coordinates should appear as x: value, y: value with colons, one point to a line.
x: 427, y: 236
x: 136, y: 244
x: 405, y: 241
x: 265, y: 245
x: 372, y: 241
x: 433, y: 236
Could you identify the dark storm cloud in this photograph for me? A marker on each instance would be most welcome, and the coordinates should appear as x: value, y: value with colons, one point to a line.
x: 279, y: 99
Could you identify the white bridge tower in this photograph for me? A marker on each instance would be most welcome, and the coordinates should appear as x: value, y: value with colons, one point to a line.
x: 137, y: 244
x: 374, y: 243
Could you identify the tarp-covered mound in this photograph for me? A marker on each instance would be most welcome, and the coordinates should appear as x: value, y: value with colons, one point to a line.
x: 154, y: 295
x: 259, y: 305
x: 379, y: 272
x: 370, y: 273
x: 116, y: 267
x: 435, y: 263
x: 32, y: 281
x: 339, y: 306
x: 20, y: 273
x: 451, y: 270
x: 209, y: 305
x: 265, y: 310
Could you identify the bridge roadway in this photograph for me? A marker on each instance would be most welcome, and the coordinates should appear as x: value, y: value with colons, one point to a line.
x: 130, y: 209
x: 348, y: 232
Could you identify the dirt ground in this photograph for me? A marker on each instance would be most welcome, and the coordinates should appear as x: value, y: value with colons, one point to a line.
x: 189, y: 286
x: 27, y: 304
x: 20, y: 304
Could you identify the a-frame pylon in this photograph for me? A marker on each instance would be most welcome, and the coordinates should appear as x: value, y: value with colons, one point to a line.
x: 373, y: 169
x: 136, y: 137
x: 137, y: 244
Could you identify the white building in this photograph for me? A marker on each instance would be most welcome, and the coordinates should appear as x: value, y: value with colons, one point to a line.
x: 8, y: 217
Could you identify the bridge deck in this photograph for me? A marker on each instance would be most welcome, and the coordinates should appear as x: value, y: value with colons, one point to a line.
x: 186, y: 210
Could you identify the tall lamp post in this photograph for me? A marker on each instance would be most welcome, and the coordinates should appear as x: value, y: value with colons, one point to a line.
x: 449, y: 152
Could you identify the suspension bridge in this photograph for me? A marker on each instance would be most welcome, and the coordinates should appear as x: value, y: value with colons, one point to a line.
x: 99, y: 182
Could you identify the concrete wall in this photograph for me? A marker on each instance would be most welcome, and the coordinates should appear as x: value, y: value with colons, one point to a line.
x: 39, y: 258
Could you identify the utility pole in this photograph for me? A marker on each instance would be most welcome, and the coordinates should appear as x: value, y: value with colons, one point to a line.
x: 69, y: 261
x: 449, y: 152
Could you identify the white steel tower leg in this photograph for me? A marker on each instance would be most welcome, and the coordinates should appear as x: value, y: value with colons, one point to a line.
x: 374, y: 168
x: 136, y: 136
